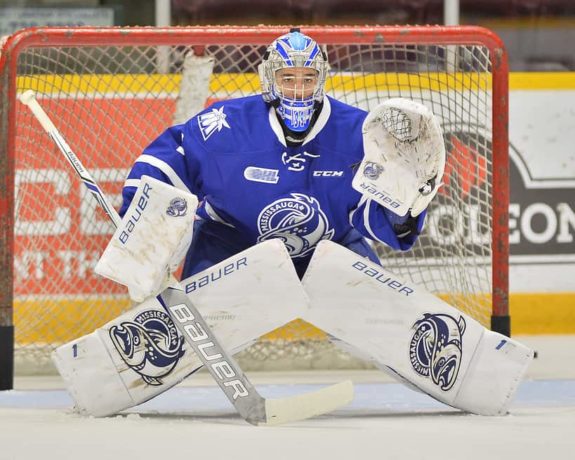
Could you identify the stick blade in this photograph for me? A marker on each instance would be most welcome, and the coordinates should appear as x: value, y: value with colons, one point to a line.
x: 301, y: 407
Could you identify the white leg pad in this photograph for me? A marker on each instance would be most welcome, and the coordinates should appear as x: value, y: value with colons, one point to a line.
x: 125, y: 362
x: 494, y: 374
x: 412, y: 333
x: 140, y: 354
x: 92, y: 367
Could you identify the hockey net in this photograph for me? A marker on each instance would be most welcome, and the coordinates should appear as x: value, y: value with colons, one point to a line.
x: 111, y: 91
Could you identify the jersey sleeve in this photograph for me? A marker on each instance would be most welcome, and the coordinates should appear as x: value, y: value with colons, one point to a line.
x: 379, y: 224
x: 170, y: 159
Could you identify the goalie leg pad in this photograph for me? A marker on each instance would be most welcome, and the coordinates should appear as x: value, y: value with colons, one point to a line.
x: 412, y: 333
x: 85, y: 364
x: 496, y: 355
x: 141, y: 354
x: 126, y: 362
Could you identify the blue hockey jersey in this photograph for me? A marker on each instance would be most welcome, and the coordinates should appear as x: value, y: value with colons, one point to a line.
x: 253, y: 186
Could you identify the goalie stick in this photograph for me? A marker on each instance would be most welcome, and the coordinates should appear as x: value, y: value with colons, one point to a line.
x: 253, y: 407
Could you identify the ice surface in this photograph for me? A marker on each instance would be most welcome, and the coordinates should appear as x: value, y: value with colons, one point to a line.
x: 385, y: 421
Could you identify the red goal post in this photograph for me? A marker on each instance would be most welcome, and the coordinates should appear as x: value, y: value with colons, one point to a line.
x: 111, y: 90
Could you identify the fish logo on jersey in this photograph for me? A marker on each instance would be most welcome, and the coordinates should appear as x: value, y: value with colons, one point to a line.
x: 213, y: 121
x: 178, y: 207
x: 150, y: 345
x: 435, y: 350
x: 298, y: 221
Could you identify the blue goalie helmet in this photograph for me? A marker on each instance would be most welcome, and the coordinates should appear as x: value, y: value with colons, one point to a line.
x: 298, y: 52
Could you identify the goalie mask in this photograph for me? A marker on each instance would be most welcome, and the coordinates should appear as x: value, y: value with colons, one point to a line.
x: 292, y: 75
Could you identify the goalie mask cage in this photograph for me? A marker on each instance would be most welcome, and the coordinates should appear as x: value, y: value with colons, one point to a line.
x: 110, y: 91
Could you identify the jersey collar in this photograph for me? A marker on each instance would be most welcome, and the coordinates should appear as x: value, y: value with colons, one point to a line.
x: 317, y: 127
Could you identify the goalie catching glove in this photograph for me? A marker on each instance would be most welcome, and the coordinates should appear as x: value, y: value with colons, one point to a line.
x: 404, y: 157
x: 152, y: 239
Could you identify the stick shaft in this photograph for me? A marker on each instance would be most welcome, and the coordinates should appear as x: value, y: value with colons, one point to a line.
x: 29, y: 99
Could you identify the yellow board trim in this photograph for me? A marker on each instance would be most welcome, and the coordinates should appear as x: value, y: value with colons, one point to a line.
x: 542, y: 81
x: 544, y: 313
x: 58, y: 321
x: 100, y: 84
x: 396, y: 81
x: 155, y: 84
x: 64, y: 320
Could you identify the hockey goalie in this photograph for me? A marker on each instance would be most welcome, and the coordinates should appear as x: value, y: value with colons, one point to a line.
x: 290, y: 188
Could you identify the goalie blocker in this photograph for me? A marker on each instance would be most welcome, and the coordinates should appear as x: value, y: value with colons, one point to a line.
x: 151, y: 240
x: 411, y: 333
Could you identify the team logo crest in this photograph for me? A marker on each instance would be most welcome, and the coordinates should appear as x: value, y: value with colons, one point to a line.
x: 297, y: 161
x: 436, y: 348
x: 298, y: 221
x: 213, y: 121
x: 372, y: 170
x: 149, y: 345
x: 178, y: 207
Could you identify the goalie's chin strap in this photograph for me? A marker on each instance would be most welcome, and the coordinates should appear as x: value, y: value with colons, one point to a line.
x: 294, y: 139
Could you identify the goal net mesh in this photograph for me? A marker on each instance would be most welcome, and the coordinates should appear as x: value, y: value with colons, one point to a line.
x: 110, y: 100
